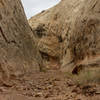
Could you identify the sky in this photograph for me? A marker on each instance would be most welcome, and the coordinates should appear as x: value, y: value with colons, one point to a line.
x: 33, y: 7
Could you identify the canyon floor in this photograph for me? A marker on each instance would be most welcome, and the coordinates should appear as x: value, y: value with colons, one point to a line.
x: 50, y: 85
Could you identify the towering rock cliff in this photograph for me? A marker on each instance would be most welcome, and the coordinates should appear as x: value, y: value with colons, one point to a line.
x: 68, y: 35
x: 17, y: 47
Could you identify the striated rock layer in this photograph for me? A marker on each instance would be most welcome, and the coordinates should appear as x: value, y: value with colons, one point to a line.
x: 17, y: 47
x: 68, y: 35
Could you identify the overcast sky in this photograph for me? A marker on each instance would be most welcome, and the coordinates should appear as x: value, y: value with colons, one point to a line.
x: 33, y: 7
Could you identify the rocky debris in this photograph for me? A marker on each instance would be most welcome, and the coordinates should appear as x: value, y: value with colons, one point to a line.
x: 87, y: 90
x: 52, y: 85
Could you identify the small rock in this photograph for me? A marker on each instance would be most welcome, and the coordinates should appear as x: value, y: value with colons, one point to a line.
x: 38, y: 94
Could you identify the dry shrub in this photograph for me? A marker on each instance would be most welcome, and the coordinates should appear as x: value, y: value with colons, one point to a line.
x: 88, y: 76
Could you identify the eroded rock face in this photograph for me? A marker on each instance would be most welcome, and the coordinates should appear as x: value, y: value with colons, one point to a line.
x: 85, y: 36
x: 17, y: 47
x: 71, y: 33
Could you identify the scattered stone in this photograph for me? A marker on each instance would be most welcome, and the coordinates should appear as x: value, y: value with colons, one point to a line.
x: 39, y: 94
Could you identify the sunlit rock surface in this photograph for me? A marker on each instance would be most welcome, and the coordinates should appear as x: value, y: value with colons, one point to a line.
x: 70, y: 33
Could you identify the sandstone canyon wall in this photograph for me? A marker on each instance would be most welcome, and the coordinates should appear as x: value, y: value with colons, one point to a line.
x: 17, y: 46
x: 68, y: 35
x: 65, y: 37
